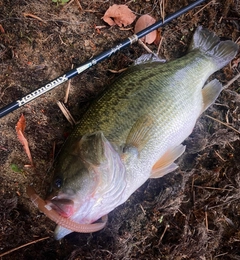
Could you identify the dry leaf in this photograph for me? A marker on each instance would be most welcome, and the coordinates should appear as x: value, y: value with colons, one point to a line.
x: 20, y: 127
x: 121, y: 15
x: 142, y: 23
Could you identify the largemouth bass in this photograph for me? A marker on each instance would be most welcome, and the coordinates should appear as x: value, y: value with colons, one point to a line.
x: 134, y: 130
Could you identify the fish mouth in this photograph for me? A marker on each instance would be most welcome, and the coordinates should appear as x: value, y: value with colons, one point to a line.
x: 64, y: 207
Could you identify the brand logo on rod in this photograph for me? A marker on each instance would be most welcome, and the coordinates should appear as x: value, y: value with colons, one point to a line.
x: 42, y: 90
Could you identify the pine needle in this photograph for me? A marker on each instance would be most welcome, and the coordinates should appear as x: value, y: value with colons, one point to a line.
x: 19, y: 247
x: 223, y: 124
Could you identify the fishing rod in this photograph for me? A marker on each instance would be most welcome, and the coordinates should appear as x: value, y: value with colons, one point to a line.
x: 104, y: 55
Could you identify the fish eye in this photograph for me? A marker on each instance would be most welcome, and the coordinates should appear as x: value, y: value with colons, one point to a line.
x: 58, y: 183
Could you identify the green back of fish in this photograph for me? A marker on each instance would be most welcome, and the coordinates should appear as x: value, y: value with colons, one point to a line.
x: 153, y: 89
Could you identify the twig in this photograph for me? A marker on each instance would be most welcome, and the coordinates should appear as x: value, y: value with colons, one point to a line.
x: 224, y: 203
x: 125, y: 29
x: 62, y: 42
x: 66, y: 113
x: 181, y: 213
x: 117, y: 71
x: 230, y: 146
x: 204, y: 7
x: 19, y: 247
x: 231, y: 81
x: 164, y: 231
x: 69, y: 3
x: 223, y: 123
x: 159, y: 46
x: 206, y: 219
x: 221, y: 254
x: 67, y: 90
x: 79, y: 5
x: 211, y: 188
x: 33, y: 16
x: 145, y: 46
x: 162, y: 9
x: 143, y: 210
x: 220, y: 156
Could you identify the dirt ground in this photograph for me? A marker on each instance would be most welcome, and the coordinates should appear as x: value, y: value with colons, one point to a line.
x: 192, y: 213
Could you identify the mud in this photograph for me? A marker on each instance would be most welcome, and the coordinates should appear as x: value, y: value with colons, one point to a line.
x: 192, y: 213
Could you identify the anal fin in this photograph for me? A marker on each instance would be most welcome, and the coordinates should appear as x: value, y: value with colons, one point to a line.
x: 166, y: 163
x: 210, y: 93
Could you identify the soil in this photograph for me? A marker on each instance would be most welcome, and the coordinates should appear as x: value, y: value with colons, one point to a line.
x: 192, y: 213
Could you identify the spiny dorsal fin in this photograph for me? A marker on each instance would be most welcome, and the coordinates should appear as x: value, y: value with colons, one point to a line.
x: 166, y: 163
x: 148, y: 58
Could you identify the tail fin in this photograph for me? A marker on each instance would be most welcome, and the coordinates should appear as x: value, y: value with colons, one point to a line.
x: 209, y: 44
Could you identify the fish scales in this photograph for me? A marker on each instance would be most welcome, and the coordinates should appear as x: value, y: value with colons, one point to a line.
x: 147, y: 89
x: 135, y: 129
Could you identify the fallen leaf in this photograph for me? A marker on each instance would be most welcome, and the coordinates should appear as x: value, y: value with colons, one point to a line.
x: 2, y: 29
x: 121, y: 15
x: 20, y: 127
x: 142, y: 23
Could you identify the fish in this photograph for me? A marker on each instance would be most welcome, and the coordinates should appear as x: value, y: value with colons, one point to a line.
x: 134, y: 131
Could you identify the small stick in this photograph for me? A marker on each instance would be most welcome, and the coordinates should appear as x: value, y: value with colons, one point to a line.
x: 79, y: 5
x: 204, y: 7
x: 68, y: 89
x: 211, y: 188
x: 143, y: 210
x: 220, y: 156
x: 117, y: 71
x: 164, y: 231
x: 182, y: 213
x: 33, y: 16
x: 162, y: 9
x: 66, y: 5
x: 145, y: 46
x: 231, y: 81
x: 19, y: 247
x: 206, y: 218
x: 66, y: 113
x: 159, y: 46
x: 224, y: 203
x: 223, y: 123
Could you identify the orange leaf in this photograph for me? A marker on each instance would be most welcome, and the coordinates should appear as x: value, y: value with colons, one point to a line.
x: 20, y: 127
x: 121, y: 15
x: 142, y: 23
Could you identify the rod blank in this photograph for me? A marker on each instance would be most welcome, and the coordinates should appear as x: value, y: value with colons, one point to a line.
x: 104, y: 55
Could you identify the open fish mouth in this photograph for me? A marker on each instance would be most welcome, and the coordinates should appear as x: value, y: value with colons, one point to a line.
x: 51, y: 213
x: 64, y: 207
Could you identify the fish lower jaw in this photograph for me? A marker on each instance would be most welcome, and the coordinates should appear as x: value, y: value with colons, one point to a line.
x: 63, y: 208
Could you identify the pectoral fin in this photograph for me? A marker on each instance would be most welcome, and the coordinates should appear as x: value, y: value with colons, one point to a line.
x: 166, y: 163
x: 140, y: 133
x: 210, y: 93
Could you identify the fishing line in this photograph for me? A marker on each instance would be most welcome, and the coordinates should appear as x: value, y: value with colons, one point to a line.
x: 104, y: 55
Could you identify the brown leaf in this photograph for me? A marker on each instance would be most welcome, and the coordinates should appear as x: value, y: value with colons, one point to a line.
x: 20, y: 127
x: 121, y: 15
x: 142, y: 23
